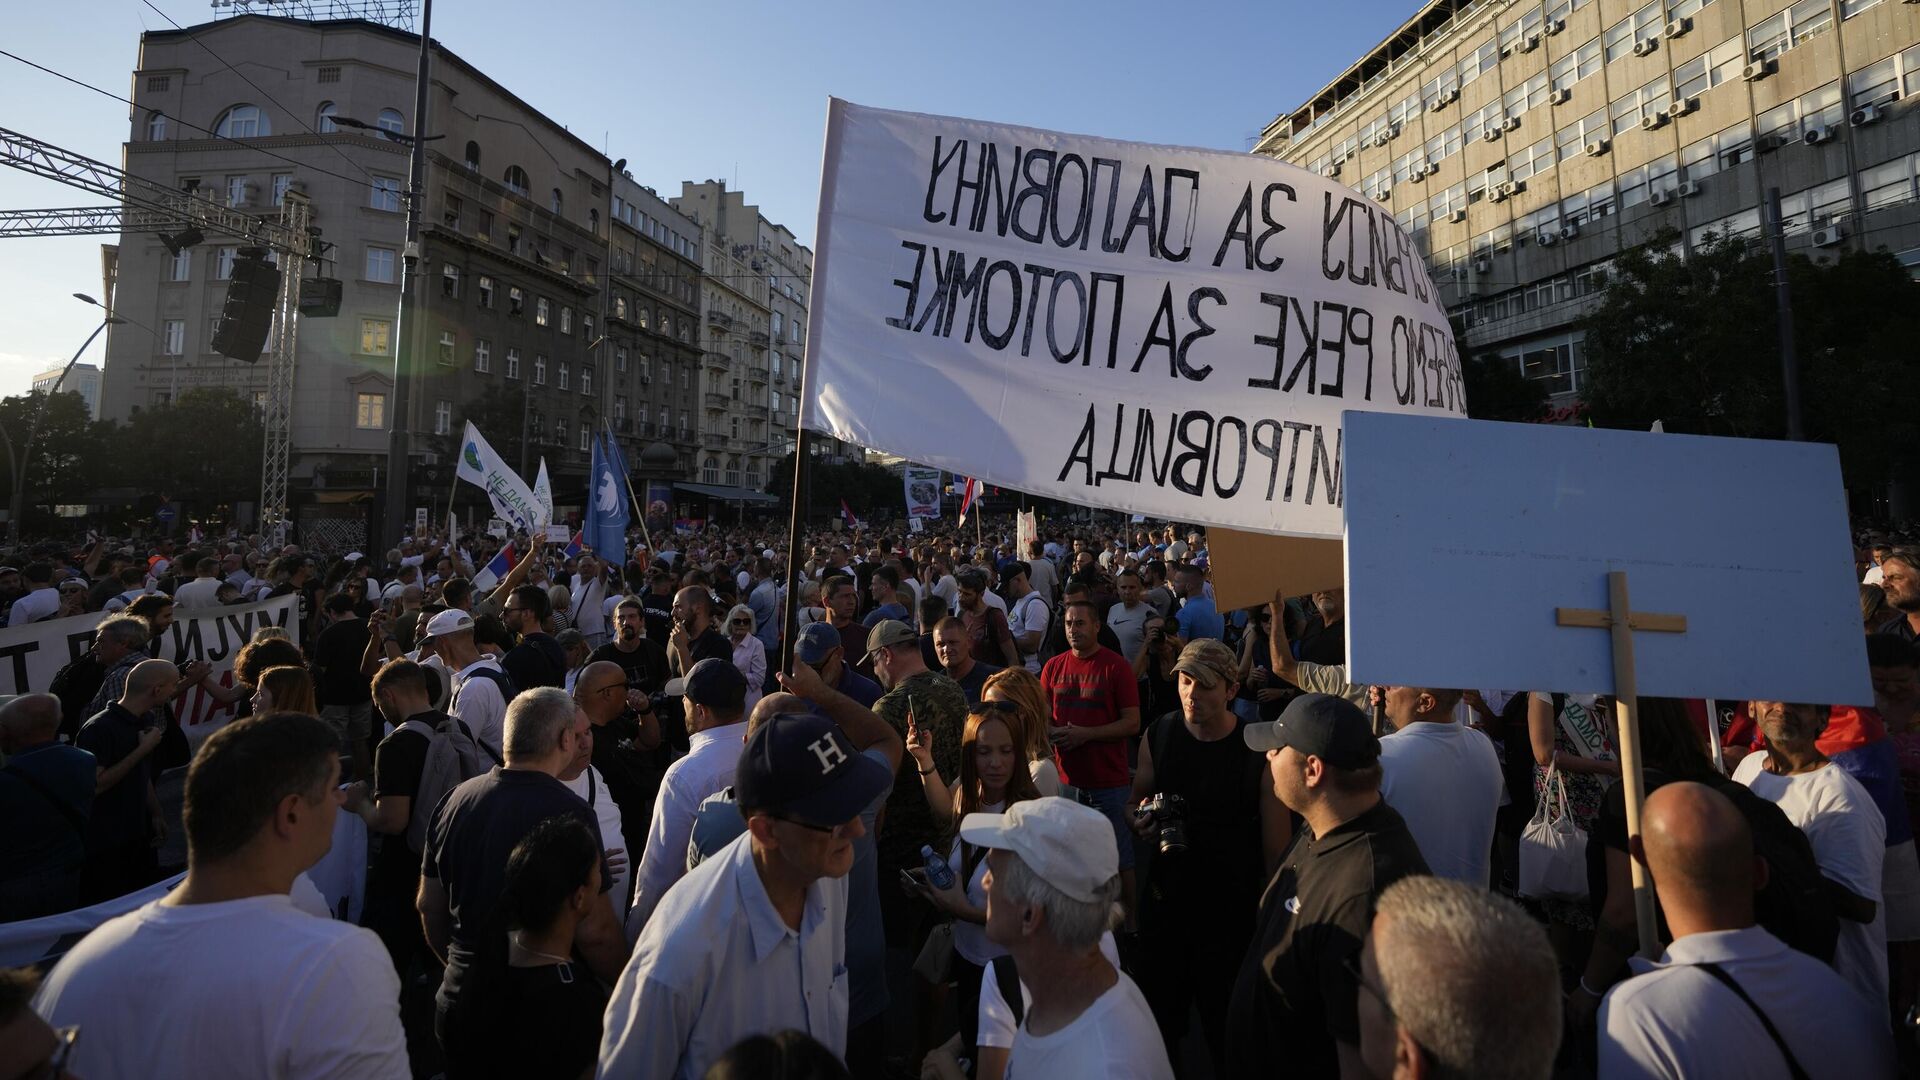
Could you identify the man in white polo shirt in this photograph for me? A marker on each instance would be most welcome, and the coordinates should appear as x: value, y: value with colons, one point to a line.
x: 1443, y: 777
x: 753, y: 940
x: 1728, y: 998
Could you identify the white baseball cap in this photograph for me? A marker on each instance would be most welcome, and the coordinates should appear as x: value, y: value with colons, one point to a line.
x: 1071, y: 847
x: 450, y: 621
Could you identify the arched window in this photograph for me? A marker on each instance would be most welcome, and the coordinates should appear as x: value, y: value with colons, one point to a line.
x: 390, y: 122
x: 323, y: 121
x: 666, y: 324
x: 243, y: 122
x: 557, y: 201
x: 515, y: 179
x: 473, y: 156
x: 710, y: 470
x: 156, y: 126
x: 646, y: 316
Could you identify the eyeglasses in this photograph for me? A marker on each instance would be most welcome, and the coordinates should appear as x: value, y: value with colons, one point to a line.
x: 741, y: 622
x: 996, y: 706
x: 1351, y: 963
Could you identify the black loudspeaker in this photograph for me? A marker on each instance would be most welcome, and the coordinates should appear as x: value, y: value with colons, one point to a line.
x: 320, y: 298
x: 251, y: 294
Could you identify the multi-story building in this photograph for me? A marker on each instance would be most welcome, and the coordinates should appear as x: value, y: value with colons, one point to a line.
x: 1523, y: 145
x: 514, y: 247
x: 82, y: 379
x: 653, y: 321
x: 737, y: 443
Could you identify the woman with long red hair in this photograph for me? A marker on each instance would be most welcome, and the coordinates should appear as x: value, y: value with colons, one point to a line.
x: 993, y: 776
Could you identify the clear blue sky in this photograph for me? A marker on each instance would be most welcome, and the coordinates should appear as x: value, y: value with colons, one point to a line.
x: 750, y: 82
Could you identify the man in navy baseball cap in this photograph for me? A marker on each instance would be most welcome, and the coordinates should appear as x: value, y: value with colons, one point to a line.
x: 820, y: 647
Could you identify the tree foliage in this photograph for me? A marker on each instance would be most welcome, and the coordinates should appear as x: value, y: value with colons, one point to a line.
x: 1497, y: 390
x: 865, y: 487
x: 1692, y: 342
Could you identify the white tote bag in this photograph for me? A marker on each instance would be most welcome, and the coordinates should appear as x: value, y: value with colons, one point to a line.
x: 1553, y: 849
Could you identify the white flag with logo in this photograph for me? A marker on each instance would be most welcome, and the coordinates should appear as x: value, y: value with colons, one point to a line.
x: 543, y: 491
x: 511, y: 498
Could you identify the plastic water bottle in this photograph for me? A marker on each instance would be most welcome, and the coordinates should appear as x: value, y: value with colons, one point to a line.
x: 938, y: 873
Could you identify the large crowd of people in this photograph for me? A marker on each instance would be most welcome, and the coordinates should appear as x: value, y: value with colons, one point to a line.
x: 1002, y: 814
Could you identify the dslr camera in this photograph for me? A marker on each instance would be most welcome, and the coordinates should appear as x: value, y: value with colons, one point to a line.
x: 1168, y: 813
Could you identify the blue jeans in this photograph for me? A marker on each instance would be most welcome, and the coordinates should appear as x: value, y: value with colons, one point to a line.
x: 1114, y: 802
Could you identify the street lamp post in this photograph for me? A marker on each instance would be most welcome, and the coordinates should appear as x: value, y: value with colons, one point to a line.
x: 16, y: 506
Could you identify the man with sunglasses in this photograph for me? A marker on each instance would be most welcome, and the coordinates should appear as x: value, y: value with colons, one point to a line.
x: 626, y: 736
x: 1293, y: 1004
x: 753, y: 940
x: 537, y: 660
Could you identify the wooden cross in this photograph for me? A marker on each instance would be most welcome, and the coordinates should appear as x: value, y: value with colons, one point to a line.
x: 1621, y: 621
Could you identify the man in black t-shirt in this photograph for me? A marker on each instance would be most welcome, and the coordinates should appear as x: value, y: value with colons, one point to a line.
x: 401, y: 692
x: 538, y: 660
x: 657, y: 605
x: 463, y: 870
x: 1197, y: 906
x: 627, y: 747
x: 342, y: 692
x: 644, y: 660
x: 1293, y: 1004
x: 694, y: 638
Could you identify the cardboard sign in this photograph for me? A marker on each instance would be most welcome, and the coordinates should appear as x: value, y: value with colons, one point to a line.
x: 1464, y: 536
x: 1155, y: 329
x: 1247, y: 567
x: 922, y: 487
x: 559, y: 534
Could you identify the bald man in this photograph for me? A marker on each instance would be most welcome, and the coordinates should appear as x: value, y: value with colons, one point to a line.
x: 46, y: 794
x: 1728, y: 998
x: 694, y: 638
x: 625, y: 732
x: 126, y: 826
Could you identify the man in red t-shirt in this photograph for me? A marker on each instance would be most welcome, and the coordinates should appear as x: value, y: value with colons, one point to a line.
x: 1093, y: 707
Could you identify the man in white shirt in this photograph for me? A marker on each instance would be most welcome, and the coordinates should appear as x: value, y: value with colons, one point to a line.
x: 478, y: 699
x: 1053, y: 887
x: 224, y: 976
x: 200, y: 592
x: 1444, y: 778
x: 716, y: 695
x: 753, y: 940
x: 1728, y: 998
x: 589, y: 591
x: 1028, y: 615
x: 42, y: 599
x: 1845, y: 828
x: 1042, y: 575
x: 1128, y: 618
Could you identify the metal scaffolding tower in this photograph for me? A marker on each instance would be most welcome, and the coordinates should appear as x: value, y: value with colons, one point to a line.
x: 145, y: 206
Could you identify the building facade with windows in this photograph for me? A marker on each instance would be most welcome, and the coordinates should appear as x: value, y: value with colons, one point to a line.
x: 653, y: 323
x: 514, y: 252
x: 82, y: 379
x: 1522, y: 145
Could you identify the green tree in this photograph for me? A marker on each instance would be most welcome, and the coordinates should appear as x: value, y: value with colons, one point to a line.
x: 204, y: 447
x: 865, y: 487
x: 499, y: 413
x: 1496, y: 389
x: 1693, y: 342
x: 65, y: 462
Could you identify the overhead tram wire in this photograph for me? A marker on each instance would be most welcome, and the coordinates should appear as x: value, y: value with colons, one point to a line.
x: 187, y: 124
x: 243, y: 77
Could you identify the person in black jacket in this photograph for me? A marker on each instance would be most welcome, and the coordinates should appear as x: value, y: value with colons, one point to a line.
x: 538, y: 660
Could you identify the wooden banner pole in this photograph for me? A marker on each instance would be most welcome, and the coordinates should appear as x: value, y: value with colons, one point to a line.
x: 1620, y: 620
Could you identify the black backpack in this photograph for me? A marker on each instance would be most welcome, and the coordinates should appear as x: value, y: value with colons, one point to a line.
x: 1796, y: 905
x: 75, y: 685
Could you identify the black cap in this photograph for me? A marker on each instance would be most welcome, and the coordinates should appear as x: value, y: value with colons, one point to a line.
x: 1015, y: 569
x: 712, y: 682
x: 801, y: 766
x: 1330, y: 728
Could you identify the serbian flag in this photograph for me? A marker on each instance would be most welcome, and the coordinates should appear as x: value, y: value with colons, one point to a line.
x: 574, y: 545
x: 846, y: 515
x: 490, y: 574
x: 969, y: 495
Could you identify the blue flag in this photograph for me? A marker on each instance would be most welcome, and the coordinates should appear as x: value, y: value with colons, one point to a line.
x: 607, y: 517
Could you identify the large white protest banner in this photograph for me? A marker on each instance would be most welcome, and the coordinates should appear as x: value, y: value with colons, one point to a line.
x: 1465, y: 537
x: 1159, y: 329
x: 923, y: 491
x: 31, y: 655
x: 512, y: 499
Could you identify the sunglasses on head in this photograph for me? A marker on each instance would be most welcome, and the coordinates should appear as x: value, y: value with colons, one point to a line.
x: 996, y: 707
